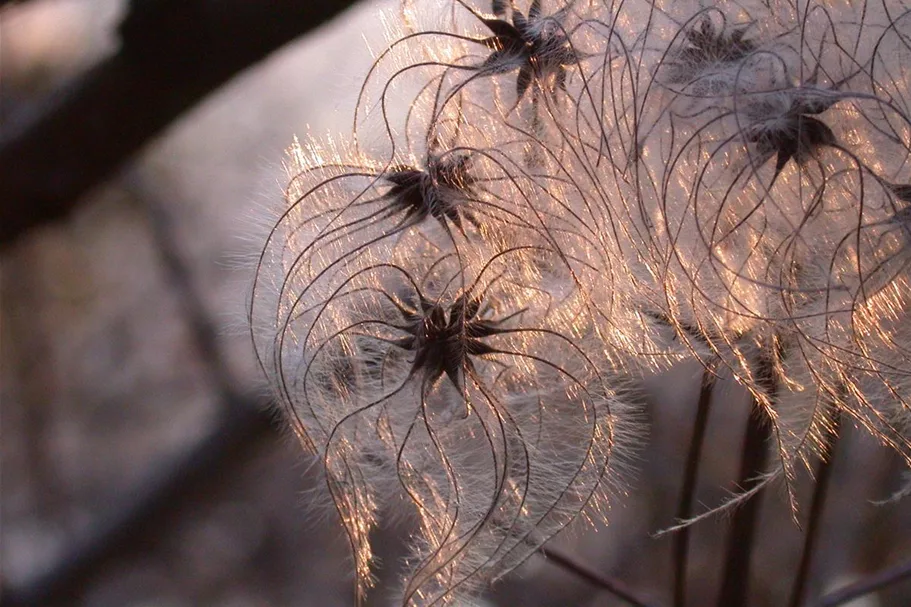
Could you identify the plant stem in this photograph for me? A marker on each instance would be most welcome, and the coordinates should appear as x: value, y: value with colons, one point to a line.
x: 823, y: 477
x: 884, y: 578
x: 172, y: 54
x: 736, y: 577
x: 615, y: 587
x: 684, y: 508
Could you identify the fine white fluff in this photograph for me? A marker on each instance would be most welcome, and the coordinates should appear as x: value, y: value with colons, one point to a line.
x: 583, y: 194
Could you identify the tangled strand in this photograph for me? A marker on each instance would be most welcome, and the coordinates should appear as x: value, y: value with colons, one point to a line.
x: 541, y: 204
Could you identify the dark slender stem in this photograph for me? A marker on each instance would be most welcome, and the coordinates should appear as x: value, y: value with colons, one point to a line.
x: 736, y: 577
x: 877, y: 581
x: 202, y: 330
x: 615, y: 587
x: 684, y: 508
x: 172, y: 54
x: 823, y: 477
x: 148, y: 508
x: 243, y: 424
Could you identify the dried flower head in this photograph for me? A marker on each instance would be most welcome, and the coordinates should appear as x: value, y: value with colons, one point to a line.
x: 460, y: 317
x: 536, y: 45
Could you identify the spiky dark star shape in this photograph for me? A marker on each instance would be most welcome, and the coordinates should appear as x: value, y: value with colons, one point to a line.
x: 440, y: 191
x: 533, y: 44
x: 443, y: 339
x: 706, y: 44
x: 796, y: 134
x: 902, y: 217
x: 902, y: 191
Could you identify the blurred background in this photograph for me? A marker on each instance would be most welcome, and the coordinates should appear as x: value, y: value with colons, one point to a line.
x: 141, y: 464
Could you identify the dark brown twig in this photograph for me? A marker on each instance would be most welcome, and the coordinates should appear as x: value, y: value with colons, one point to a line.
x: 202, y: 330
x: 820, y: 491
x: 131, y: 526
x: 877, y: 581
x: 684, y: 508
x: 736, y: 576
x: 173, y: 53
x: 244, y: 424
x: 615, y: 587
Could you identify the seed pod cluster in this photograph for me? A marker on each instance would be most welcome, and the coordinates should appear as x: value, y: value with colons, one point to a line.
x: 541, y: 203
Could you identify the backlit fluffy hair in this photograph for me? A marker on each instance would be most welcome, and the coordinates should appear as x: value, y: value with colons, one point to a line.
x: 540, y: 203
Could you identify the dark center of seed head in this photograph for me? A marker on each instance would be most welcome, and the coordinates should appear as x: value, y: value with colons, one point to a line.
x: 435, y: 192
x: 444, y: 338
